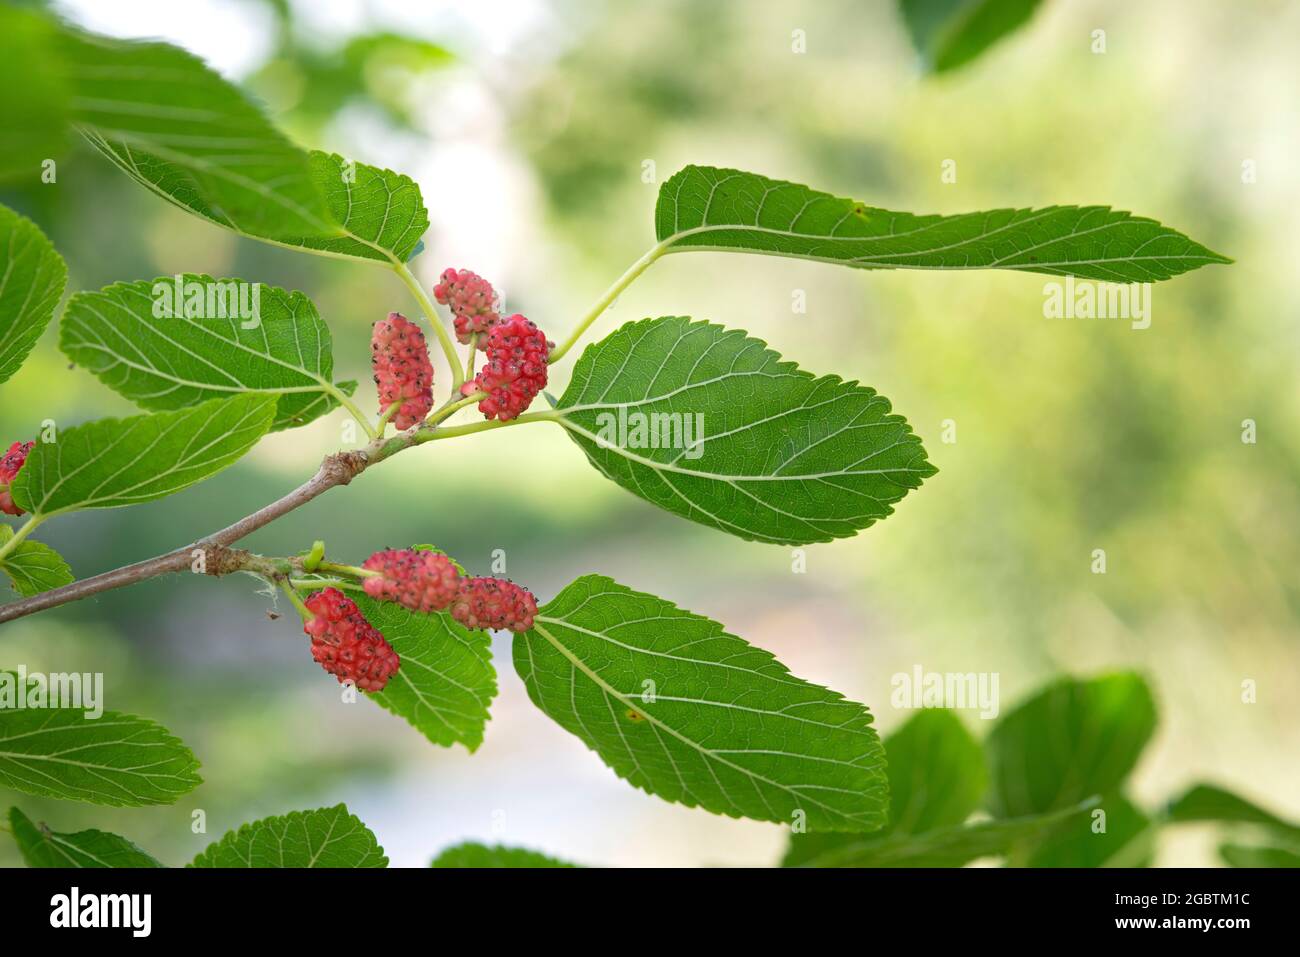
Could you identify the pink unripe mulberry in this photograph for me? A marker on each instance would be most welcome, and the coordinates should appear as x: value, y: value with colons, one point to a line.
x: 403, y: 372
x: 422, y: 581
x: 345, y: 644
x: 472, y: 300
x: 10, y: 463
x: 516, y: 369
x: 494, y: 603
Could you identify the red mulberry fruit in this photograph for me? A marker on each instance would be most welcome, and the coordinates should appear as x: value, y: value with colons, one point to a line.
x: 422, y: 581
x: 10, y: 463
x: 494, y: 603
x: 473, y: 303
x: 345, y: 644
x: 402, y: 368
x: 516, y: 369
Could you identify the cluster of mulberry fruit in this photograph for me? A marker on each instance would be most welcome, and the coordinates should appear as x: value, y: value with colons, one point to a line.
x: 517, y: 353
x: 516, y: 349
x: 473, y: 303
x: 426, y: 581
x: 515, y: 371
x: 403, y: 372
x: 345, y: 644
x: 10, y: 463
x: 422, y: 581
x: 494, y: 603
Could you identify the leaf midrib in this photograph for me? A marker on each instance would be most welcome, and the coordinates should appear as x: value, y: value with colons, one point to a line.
x: 602, y: 636
x: 322, y: 386
x: 1126, y: 219
x: 729, y: 479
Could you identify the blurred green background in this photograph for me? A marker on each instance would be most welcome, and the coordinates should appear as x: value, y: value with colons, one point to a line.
x: 528, y: 126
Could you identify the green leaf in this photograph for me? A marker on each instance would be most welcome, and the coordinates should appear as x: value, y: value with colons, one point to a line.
x: 115, y: 462
x: 327, y: 837
x: 1126, y: 841
x: 681, y: 709
x: 950, y: 33
x: 42, y: 847
x: 446, y: 681
x: 117, y: 759
x: 942, y: 847
x: 179, y: 129
x: 475, y: 855
x: 936, y: 772
x: 936, y: 780
x: 32, y: 276
x: 1074, y: 739
x: 703, y: 208
x: 381, y: 213
x: 784, y: 457
x: 378, y: 69
x: 33, y: 97
x: 1208, y: 802
x: 176, y: 360
x: 1239, y: 855
x: 33, y: 567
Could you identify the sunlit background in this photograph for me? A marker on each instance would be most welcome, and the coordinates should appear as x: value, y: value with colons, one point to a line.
x: 529, y: 127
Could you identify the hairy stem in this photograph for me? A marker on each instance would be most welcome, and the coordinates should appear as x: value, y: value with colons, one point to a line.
x: 431, y: 314
x: 612, y: 293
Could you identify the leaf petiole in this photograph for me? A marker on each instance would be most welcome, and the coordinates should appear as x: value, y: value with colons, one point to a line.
x: 451, y: 432
x: 346, y: 401
x: 306, y: 584
x: 296, y: 600
x: 605, y: 301
x: 23, y: 531
x: 350, y: 570
x: 451, y: 408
